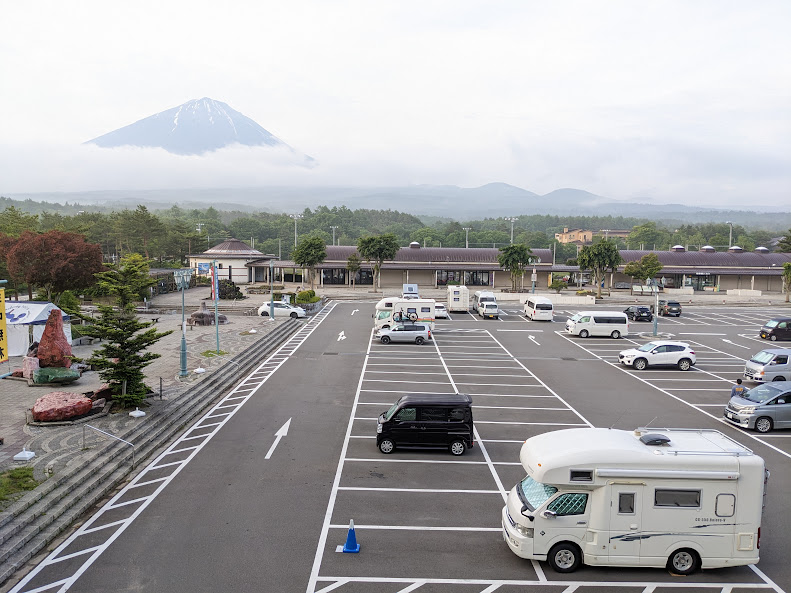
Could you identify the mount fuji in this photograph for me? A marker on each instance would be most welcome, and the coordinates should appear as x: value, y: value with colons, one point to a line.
x: 194, y: 128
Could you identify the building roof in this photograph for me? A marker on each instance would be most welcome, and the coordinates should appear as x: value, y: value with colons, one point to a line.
x: 716, y: 259
x: 232, y: 248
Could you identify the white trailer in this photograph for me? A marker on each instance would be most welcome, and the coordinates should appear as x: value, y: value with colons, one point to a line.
x: 458, y: 299
x: 677, y: 498
x: 398, y: 310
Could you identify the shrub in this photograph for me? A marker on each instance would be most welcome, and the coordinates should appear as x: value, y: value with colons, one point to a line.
x: 558, y: 285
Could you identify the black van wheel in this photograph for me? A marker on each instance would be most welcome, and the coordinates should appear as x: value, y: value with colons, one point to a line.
x: 763, y: 424
x: 419, y: 340
x: 458, y: 447
x: 386, y: 446
x: 564, y: 557
x: 616, y: 334
x: 773, y: 338
x: 640, y: 364
x: 385, y: 339
x: 584, y: 333
x: 683, y: 562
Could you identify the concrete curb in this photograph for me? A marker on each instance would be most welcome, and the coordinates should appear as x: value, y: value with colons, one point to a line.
x: 36, y: 519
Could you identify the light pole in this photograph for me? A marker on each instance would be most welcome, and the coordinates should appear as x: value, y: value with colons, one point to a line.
x: 513, y: 220
x: 333, y: 234
x: 730, y: 234
x: 467, y: 230
x: 271, y: 290
x: 182, y: 278
x: 296, y: 217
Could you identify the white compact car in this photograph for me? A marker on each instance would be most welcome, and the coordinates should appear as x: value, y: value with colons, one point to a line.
x: 659, y: 353
x: 282, y: 310
x: 440, y: 312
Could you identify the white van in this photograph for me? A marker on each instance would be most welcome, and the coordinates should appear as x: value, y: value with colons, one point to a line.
x: 598, y: 323
x: 539, y: 308
x: 458, y: 299
x: 396, y: 309
x: 677, y: 498
x: 769, y: 365
x: 482, y: 296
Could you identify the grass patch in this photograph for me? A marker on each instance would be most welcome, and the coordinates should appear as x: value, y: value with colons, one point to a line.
x: 16, y: 481
x: 210, y: 353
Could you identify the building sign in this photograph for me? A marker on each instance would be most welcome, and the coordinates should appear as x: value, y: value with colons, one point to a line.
x: 203, y: 268
x: 3, y: 329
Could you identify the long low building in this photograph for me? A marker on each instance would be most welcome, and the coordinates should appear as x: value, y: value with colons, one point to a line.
x: 705, y: 269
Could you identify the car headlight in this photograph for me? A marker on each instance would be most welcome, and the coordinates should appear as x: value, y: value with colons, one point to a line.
x: 378, y: 427
x: 750, y: 410
x: 524, y: 531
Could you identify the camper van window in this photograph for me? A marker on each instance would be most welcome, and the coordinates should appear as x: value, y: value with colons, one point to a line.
x: 407, y: 414
x: 425, y: 309
x: 689, y: 499
x: 457, y: 415
x: 383, y: 315
x: 725, y: 505
x: 626, y: 503
x: 534, y: 494
x: 581, y: 475
x: 569, y: 504
x: 434, y: 414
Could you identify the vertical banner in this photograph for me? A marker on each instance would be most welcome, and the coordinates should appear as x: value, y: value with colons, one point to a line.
x: 215, y: 283
x: 3, y: 328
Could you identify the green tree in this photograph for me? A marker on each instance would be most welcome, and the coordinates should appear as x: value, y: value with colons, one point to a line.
x: 558, y: 285
x: 599, y: 258
x: 787, y: 279
x: 377, y: 249
x: 14, y: 221
x: 123, y: 356
x: 784, y: 244
x: 514, y: 258
x: 645, y: 268
x: 310, y: 252
x: 353, y: 265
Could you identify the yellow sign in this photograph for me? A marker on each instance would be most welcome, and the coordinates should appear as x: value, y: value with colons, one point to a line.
x: 3, y: 332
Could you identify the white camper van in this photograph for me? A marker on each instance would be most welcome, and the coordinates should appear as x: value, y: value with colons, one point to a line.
x: 482, y: 296
x: 680, y: 498
x: 396, y: 309
x: 539, y: 308
x: 458, y: 299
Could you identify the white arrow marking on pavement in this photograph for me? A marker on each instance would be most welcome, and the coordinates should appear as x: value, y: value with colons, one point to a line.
x: 738, y: 345
x: 355, y: 311
x: 534, y: 339
x: 278, y: 435
x: 340, y: 337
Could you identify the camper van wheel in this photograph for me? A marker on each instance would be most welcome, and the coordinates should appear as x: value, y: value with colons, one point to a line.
x: 457, y: 447
x: 763, y: 424
x: 683, y: 562
x: 385, y: 340
x: 684, y: 364
x: 419, y: 341
x: 584, y: 333
x: 564, y: 557
x: 640, y: 364
x: 616, y: 334
x: 387, y: 446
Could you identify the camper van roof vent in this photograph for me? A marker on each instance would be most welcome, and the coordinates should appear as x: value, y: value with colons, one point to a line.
x: 414, y: 245
x: 654, y: 439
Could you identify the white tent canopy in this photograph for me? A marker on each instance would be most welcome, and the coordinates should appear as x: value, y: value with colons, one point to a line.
x: 25, y: 321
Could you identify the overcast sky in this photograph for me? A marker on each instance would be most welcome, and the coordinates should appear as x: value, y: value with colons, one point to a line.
x: 675, y: 101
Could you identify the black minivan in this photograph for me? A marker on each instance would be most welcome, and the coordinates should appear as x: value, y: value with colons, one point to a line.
x: 776, y: 329
x: 427, y: 421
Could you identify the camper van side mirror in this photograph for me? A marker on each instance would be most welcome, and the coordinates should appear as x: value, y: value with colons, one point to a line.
x: 549, y: 514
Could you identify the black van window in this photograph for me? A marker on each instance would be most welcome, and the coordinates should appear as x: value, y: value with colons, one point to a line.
x: 457, y: 415
x: 407, y: 414
x: 434, y: 414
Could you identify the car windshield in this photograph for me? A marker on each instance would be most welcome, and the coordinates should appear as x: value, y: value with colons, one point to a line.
x: 575, y: 317
x: 763, y: 357
x: 762, y: 393
x: 393, y: 409
x: 533, y: 494
x: 771, y: 323
x: 383, y: 315
x: 647, y: 347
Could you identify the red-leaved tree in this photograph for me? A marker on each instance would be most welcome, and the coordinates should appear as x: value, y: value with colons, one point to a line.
x: 54, y: 261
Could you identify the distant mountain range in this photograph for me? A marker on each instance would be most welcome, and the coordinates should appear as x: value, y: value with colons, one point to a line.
x: 194, y: 128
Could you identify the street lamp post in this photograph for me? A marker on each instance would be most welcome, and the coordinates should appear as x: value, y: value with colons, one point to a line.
x: 182, y: 278
x: 296, y: 217
x: 271, y: 290
x: 333, y: 234
x: 467, y: 230
x: 730, y: 234
x: 513, y: 220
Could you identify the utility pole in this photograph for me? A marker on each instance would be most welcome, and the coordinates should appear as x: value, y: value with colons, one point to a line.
x: 333, y: 234
x: 513, y: 220
x: 730, y: 234
x: 467, y: 236
x: 296, y: 217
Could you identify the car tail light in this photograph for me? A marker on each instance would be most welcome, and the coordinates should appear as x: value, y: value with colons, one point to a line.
x: 692, y: 352
x: 429, y: 333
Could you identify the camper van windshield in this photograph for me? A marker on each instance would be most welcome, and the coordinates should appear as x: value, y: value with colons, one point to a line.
x: 762, y: 393
x: 383, y: 315
x: 763, y: 357
x: 533, y: 494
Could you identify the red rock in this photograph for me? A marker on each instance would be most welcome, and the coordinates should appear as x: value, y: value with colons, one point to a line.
x: 18, y: 373
x: 60, y: 405
x: 54, y: 349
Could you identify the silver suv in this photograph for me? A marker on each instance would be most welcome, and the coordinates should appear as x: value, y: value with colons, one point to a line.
x: 405, y: 332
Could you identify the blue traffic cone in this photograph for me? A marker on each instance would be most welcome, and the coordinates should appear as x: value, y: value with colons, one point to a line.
x: 351, y: 546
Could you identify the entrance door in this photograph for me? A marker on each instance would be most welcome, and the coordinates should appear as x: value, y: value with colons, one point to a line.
x: 625, y: 523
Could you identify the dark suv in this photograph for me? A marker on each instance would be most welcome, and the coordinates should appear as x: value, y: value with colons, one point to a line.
x: 639, y: 313
x: 669, y: 308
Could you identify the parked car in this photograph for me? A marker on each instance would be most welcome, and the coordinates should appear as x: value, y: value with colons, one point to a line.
x: 405, y: 332
x: 489, y: 310
x: 668, y: 308
x: 659, y: 353
x: 639, y: 313
x: 282, y: 310
x: 440, y: 312
x: 762, y: 408
x: 776, y: 329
